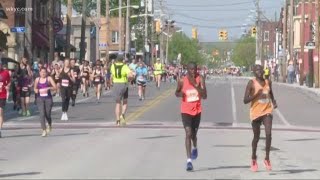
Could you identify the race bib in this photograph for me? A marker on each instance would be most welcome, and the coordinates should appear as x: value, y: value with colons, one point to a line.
x: 141, y: 78
x: 97, y: 79
x: 266, y: 100
x: 43, y: 92
x: 25, y: 89
x: 65, y: 82
x: 192, y: 95
x: 84, y: 74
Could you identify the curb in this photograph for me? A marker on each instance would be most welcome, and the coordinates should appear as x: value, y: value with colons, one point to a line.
x: 311, y: 91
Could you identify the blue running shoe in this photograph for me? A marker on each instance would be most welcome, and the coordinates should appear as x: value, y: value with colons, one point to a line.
x: 194, y: 154
x: 189, y: 166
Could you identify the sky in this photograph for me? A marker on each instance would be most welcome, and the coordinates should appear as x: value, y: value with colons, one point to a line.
x: 211, y: 15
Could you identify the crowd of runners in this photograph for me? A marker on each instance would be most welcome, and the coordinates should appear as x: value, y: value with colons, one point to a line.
x: 64, y: 79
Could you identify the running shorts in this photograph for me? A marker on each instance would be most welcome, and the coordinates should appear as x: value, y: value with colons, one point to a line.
x: 191, y: 121
x: 120, y: 91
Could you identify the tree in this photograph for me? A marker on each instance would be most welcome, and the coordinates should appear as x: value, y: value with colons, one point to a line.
x: 244, y: 53
x: 188, y: 48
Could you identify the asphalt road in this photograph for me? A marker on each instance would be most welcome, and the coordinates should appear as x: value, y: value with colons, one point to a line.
x: 89, y: 145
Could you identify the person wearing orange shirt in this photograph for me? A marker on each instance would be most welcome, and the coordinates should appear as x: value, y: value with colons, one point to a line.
x: 259, y: 93
x: 192, y: 89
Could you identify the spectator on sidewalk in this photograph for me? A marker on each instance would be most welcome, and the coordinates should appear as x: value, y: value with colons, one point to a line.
x: 291, y: 73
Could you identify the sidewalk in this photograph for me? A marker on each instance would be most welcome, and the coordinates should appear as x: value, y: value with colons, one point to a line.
x: 304, y: 88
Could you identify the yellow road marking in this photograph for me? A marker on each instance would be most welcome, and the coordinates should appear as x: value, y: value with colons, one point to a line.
x: 146, y: 107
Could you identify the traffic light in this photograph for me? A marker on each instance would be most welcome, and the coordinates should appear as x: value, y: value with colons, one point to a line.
x: 158, y: 26
x: 194, y: 33
x: 225, y: 35
x: 221, y: 35
x: 253, y: 31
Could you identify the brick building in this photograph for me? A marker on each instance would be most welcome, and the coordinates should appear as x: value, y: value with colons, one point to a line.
x: 114, y: 39
x: 268, y: 39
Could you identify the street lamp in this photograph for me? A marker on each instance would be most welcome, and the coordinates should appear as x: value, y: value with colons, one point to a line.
x: 122, y: 7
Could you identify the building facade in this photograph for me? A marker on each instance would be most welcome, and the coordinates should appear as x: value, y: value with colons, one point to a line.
x: 75, y: 38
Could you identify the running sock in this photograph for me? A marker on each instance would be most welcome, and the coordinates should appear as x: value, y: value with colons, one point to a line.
x: 189, y: 160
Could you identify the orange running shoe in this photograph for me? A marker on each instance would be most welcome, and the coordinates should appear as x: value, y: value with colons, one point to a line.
x: 254, y: 165
x: 268, y: 165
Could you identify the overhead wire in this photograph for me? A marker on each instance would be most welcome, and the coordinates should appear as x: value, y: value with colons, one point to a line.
x: 215, y: 5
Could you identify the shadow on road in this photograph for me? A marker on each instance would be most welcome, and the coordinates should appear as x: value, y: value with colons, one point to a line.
x: 50, y: 135
x: 157, y: 137
x: 292, y: 171
x: 229, y: 146
x: 18, y: 174
x: 221, y: 167
x: 306, y: 139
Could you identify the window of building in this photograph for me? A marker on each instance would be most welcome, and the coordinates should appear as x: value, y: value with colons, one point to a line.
x: 115, y: 37
x: 266, y: 36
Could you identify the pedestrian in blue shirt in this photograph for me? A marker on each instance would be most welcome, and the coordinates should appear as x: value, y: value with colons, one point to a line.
x: 141, y: 74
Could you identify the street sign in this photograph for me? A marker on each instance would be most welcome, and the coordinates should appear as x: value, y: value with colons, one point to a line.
x: 316, y: 59
x: 310, y: 45
x: 18, y: 29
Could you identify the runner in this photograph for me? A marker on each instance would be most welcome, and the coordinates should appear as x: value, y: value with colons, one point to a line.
x: 4, y: 84
x: 85, y: 76
x: 36, y: 74
x: 158, y: 72
x: 42, y: 87
x: 259, y: 93
x: 56, y: 76
x: 67, y: 80
x: 108, y: 75
x: 97, y: 77
x: 141, y: 74
x: 25, y: 84
x: 121, y: 75
x: 133, y: 66
x: 76, y: 84
x: 192, y: 89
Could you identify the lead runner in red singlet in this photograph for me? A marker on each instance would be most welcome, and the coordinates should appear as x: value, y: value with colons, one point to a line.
x: 192, y: 89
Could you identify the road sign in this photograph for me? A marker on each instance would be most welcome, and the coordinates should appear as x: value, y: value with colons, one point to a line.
x: 310, y: 45
x: 18, y: 29
x: 316, y: 59
x: 57, y: 25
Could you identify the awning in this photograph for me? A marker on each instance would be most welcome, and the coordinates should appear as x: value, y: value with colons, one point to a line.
x: 40, y: 40
x: 62, y: 44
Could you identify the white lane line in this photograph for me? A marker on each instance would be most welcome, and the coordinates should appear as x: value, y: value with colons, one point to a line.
x: 282, y: 118
x: 234, y: 107
x: 59, y: 108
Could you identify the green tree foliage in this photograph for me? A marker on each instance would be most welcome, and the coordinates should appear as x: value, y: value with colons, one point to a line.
x: 188, y: 48
x: 244, y: 53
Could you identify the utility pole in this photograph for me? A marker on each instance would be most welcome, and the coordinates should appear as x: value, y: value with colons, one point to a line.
x: 283, y: 63
x: 51, y: 33
x: 83, y: 31
x: 291, y: 35
x: 302, y: 42
x: 167, y: 47
x: 310, y: 51
x: 152, y: 37
x: 120, y: 26
x: 68, y: 33
x: 146, y: 30
x: 108, y: 29
x: 258, y: 56
x: 316, y: 65
x: 161, y: 38
x: 127, y: 49
x: 98, y: 30
x: 28, y: 24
